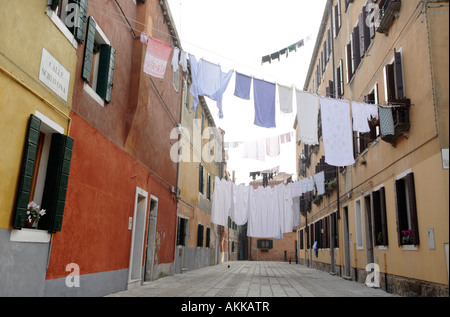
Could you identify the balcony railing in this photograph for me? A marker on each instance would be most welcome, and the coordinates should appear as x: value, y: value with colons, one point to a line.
x: 388, y: 11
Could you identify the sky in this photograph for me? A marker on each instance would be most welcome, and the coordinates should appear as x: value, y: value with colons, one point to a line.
x: 236, y: 34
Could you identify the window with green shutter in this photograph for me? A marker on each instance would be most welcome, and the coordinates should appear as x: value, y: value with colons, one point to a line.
x: 98, y: 63
x: 57, y: 178
x: 43, y: 181
x: 74, y: 15
x: 27, y: 171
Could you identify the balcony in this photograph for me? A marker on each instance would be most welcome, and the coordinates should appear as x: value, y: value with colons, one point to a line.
x: 401, y: 122
x: 388, y: 11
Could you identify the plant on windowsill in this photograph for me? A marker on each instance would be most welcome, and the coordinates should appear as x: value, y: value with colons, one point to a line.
x: 407, y: 238
x: 34, y: 213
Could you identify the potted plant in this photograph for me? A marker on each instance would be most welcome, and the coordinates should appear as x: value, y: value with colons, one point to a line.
x: 34, y: 213
x: 407, y: 237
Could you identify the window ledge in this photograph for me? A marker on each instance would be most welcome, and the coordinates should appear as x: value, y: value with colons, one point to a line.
x: 30, y: 235
x: 62, y: 27
x: 91, y: 92
x: 382, y: 247
x: 409, y: 247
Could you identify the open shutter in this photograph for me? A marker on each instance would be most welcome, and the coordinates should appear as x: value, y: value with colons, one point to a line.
x: 106, y: 72
x: 89, y: 50
x: 80, y: 17
x: 390, y: 82
x: 57, y: 178
x: 383, y: 216
x: 398, y: 76
x: 26, y: 174
x: 412, y: 207
x: 356, y: 48
x: 349, y: 62
x: 361, y: 24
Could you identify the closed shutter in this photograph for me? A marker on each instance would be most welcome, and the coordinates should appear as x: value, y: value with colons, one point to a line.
x: 398, y: 76
x: 27, y: 169
x: 200, y: 236
x: 57, y: 178
x: 356, y: 48
x: 106, y: 72
x: 79, y: 27
x: 89, y: 50
x: 200, y: 179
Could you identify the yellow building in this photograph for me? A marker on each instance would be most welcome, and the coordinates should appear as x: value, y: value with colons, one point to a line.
x: 37, y: 73
x: 391, y: 207
x: 200, y: 243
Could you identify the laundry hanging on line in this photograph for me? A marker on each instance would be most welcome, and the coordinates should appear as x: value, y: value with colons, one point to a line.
x: 268, y: 212
x: 156, y: 57
x: 285, y: 51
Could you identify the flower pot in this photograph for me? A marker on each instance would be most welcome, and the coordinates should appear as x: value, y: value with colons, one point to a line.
x: 29, y: 223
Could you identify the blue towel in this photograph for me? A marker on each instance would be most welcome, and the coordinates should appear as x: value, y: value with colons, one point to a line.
x: 243, y: 83
x: 264, y: 95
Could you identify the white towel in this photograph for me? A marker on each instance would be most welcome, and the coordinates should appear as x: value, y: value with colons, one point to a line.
x: 319, y: 180
x: 285, y: 96
x: 337, y: 132
x: 307, y: 115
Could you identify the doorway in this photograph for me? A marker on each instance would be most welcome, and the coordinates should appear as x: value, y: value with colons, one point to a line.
x: 151, y: 234
x: 370, y: 256
x: 137, y: 240
x: 347, y: 268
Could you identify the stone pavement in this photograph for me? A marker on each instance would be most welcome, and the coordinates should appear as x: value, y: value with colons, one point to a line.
x: 253, y: 279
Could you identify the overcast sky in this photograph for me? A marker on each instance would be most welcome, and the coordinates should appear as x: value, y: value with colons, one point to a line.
x: 236, y: 34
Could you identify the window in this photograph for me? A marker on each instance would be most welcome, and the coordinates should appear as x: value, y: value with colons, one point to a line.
x: 182, y: 231
x: 208, y: 188
x: 98, y: 64
x: 358, y: 224
x: 73, y: 15
x: 200, y: 179
x: 44, y: 174
x: 379, y: 217
x: 339, y: 84
x: 264, y: 244
x: 393, y: 79
x: 337, y: 18
x: 208, y: 237
x: 365, y: 37
x: 301, y: 239
x: 200, y: 235
x: 405, y: 201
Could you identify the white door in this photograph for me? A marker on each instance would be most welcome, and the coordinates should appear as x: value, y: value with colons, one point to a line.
x: 137, y: 240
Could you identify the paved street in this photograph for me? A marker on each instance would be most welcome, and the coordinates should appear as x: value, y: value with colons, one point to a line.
x: 253, y: 279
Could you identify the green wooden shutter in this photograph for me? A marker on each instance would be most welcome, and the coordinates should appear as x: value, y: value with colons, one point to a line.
x: 89, y: 50
x: 270, y: 244
x: 55, y: 187
x: 106, y: 72
x: 383, y: 216
x: 412, y: 207
x: 259, y: 244
x: 26, y: 174
x: 80, y: 18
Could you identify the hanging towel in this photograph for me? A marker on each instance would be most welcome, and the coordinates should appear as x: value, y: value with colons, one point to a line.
x: 221, y: 203
x: 372, y: 110
x: 292, y: 47
x: 255, y: 149
x: 194, y: 90
x: 285, y: 96
x: 337, y: 132
x: 307, y: 116
x: 243, y: 84
x: 273, y: 146
x: 176, y: 56
x: 275, y: 56
x: 183, y: 61
x: 361, y: 117
x: 210, y: 81
x: 266, y: 59
x: 264, y: 95
x: 386, y: 121
x: 319, y: 180
x: 239, y: 206
x: 156, y: 57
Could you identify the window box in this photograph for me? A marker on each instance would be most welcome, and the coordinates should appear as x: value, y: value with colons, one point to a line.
x: 388, y: 12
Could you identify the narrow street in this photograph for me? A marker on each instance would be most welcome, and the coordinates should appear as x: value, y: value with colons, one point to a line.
x: 253, y: 279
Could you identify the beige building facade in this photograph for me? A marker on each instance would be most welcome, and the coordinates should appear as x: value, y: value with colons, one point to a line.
x: 384, y: 220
